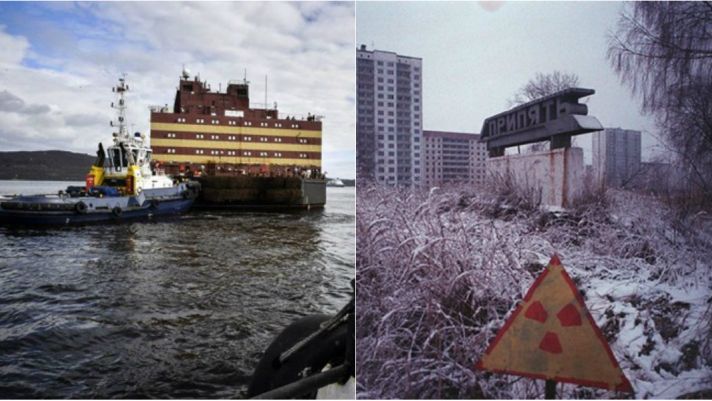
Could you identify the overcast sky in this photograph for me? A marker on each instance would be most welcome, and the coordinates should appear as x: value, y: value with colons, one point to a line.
x: 477, y: 55
x: 58, y: 62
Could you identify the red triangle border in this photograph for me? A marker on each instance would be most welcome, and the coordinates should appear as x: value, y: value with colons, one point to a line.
x: 625, y: 386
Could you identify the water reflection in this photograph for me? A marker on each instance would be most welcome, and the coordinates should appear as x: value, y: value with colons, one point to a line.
x: 172, y: 308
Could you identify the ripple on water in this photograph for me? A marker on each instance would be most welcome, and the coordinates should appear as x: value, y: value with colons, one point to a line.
x: 175, y: 308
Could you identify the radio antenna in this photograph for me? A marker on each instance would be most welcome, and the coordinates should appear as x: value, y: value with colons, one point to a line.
x: 120, y: 90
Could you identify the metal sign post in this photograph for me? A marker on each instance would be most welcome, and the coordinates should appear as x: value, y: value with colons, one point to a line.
x: 550, y: 390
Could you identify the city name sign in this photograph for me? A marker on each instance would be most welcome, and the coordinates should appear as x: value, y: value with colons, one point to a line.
x: 559, y: 114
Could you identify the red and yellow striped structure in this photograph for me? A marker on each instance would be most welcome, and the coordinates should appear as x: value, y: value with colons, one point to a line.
x: 221, y: 129
x: 239, y: 144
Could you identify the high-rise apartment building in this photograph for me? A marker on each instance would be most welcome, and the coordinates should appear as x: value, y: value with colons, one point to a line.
x: 389, y: 117
x: 454, y: 157
x: 616, y: 156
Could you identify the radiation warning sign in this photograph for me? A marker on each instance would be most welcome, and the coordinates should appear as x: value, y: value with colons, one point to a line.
x: 552, y: 336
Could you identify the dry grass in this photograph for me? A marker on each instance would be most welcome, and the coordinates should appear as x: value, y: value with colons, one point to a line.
x: 439, y: 271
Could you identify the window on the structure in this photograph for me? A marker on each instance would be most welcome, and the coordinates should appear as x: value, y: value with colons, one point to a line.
x: 115, y: 158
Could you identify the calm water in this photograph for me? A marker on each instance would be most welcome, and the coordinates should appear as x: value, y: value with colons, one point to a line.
x: 176, y: 308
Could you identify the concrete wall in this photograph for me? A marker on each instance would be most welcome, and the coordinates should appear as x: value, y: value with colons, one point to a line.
x: 557, y: 175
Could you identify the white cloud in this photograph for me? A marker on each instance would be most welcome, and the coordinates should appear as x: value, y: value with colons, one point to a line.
x: 13, y: 104
x: 13, y: 48
x: 307, y: 50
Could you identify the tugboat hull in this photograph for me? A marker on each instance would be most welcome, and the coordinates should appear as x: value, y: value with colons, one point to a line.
x: 73, y: 217
x: 69, y: 210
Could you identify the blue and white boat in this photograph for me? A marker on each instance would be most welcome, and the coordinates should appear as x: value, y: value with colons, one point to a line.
x: 120, y: 186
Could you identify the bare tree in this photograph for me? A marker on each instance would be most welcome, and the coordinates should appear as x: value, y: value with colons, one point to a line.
x: 539, y: 86
x: 661, y: 48
x: 663, y: 52
x: 542, y: 85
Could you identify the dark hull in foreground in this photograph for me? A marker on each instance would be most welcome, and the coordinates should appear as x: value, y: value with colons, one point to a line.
x: 314, y: 357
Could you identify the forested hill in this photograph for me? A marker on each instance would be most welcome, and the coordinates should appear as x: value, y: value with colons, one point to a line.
x: 348, y: 182
x: 45, y: 165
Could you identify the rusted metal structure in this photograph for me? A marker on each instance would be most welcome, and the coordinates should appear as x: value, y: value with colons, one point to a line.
x: 552, y: 336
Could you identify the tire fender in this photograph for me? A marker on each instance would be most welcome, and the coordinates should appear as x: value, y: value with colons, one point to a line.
x: 269, y: 374
x: 80, y: 207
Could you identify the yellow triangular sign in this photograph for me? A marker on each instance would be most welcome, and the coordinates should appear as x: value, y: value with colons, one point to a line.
x: 552, y: 336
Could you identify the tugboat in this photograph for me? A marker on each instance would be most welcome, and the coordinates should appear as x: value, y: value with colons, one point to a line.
x: 120, y: 186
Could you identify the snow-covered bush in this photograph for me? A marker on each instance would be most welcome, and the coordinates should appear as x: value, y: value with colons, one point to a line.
x: 439, y: 271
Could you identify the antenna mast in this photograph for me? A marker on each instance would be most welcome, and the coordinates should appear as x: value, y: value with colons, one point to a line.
x: 266, y: 106
x: 120, y: 107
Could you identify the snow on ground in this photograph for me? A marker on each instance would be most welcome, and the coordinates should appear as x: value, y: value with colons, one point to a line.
x: 439, y: 272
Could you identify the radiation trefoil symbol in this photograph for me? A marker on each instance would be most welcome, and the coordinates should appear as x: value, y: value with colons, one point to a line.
x: 552, y: 336
x: 568, y: 316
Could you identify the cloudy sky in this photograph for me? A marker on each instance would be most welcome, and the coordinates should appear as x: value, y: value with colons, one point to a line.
x: 476, y: 55
x: 58, y: 62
